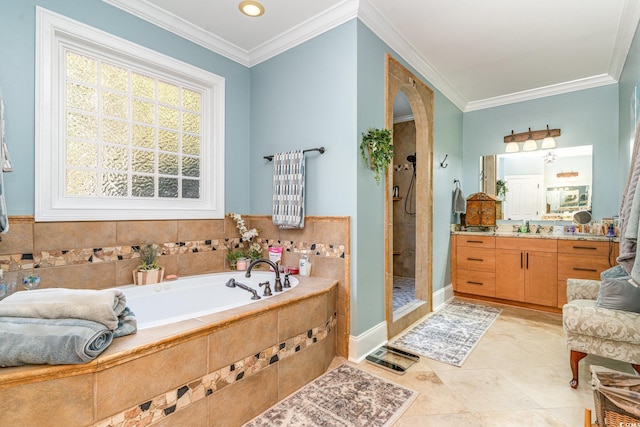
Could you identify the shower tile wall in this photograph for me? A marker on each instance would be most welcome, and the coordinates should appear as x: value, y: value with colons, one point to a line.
x: 404, y: 225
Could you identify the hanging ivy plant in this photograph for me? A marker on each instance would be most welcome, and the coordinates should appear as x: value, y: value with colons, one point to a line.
x: 377, y: 150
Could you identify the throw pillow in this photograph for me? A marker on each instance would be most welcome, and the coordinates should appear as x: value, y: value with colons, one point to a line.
x: 615, y: 271
x: 619, y: 294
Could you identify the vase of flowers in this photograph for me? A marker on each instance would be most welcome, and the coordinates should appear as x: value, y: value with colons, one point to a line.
x: 248, y: 237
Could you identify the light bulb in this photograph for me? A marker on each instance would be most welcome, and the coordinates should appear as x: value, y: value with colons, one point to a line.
x: 530, y: 145
x: 512, y: 147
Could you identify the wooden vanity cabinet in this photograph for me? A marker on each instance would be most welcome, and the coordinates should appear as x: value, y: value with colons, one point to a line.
x: 527, y: 270
x: 474, y: 265
x: 583, y: 259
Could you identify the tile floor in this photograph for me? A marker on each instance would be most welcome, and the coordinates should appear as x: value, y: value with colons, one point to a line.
x: 518, y: 375
x: 404, y: 291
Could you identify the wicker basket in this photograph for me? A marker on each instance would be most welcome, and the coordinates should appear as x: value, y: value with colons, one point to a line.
x: 608, y: 413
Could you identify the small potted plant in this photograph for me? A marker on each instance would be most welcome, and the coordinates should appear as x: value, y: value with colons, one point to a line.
x: 377, y: 150
x: 149, y: 271
x: 232, y: 257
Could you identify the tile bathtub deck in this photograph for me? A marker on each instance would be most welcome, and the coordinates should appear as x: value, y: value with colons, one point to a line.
x: 518, y: 375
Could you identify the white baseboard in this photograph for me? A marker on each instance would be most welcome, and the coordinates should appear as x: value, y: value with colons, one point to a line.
x: 366, y: 342
x: 441, y: 296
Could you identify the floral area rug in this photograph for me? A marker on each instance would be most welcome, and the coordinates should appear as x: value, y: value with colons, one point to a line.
x: 449, y: 334
x: 343, y: 397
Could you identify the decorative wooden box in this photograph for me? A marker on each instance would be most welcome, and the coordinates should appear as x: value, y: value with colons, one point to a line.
x: 483, y: 210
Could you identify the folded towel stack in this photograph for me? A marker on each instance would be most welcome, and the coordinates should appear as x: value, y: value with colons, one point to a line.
x: 61, y: 326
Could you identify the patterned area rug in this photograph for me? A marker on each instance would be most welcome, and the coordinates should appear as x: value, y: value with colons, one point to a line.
x: 449, y: 334
x: 343, y: 397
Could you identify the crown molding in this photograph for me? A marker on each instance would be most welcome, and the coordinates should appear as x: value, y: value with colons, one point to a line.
x: 542, y: 92
x: 375, y: 21
x: 177, y: 25
x: 626, y: 30
x: 321, y: 23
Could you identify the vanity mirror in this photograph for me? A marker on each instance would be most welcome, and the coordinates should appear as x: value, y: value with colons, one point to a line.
x: 541, y: 185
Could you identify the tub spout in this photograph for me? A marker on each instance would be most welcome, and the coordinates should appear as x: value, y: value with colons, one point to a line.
x: 231, y: 283
x: 277, y: 287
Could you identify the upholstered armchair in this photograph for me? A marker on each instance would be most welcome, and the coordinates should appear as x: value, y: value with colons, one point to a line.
x: 610, y: 333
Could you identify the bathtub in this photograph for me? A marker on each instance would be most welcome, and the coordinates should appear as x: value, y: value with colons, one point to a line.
x: 194, y: 296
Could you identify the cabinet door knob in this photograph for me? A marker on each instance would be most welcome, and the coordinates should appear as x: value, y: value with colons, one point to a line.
x: 475, y: 283
x: 584, y: 247
x: 475, y: 259
x: 585, y: 269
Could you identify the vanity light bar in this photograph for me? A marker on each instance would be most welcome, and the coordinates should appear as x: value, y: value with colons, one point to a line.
x: 535, y: 135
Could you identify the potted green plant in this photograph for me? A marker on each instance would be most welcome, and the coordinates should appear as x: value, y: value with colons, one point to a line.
x: 149, y: 271
x: 232, y: 257
x: 377, y: 150
x: 501, y: 189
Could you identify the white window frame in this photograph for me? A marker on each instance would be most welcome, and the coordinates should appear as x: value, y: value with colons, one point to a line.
x: 56, y: 33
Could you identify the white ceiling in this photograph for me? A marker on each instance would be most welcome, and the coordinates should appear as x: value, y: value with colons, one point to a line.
x: 479, y: 54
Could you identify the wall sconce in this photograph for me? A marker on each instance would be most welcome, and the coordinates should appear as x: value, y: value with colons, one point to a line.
x: 567, y: 174
x: 529, y: 138
x: 548, y: 141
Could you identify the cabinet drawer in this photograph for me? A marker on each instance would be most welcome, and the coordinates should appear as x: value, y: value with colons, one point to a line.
x: 527, y: 244
x: 582, y: 247
x: 581, y: 267
x: 476, y: 282
x: 476, y: 241
x: 476, y: 259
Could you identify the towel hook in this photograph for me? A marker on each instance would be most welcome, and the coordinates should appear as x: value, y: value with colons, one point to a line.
x: 442, y: 164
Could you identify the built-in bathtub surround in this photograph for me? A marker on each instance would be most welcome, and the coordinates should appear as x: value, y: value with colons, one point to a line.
x: 174, y: 400
x: 220, y: 369
x: 99, y: 254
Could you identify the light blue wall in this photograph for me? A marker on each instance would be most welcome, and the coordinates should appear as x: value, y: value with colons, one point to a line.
x: 306, y: 98
x: 369, y: 225
x: 586, y: 117
x: 17, y: 81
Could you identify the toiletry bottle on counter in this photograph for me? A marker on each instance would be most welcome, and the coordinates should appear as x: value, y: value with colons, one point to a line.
x: 304, y: 264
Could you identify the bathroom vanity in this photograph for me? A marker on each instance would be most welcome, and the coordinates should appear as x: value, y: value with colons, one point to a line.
x: 526, y: 269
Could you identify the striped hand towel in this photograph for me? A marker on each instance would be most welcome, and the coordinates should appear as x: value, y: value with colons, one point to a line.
x: 288, y: 189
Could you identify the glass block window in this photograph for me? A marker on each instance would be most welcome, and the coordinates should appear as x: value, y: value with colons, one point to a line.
x: 128, y: 133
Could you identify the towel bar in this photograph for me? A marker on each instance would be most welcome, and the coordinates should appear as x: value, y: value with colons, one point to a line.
x: 320, y: 149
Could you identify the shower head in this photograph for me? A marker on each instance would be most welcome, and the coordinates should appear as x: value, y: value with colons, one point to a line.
x: 412, y: 158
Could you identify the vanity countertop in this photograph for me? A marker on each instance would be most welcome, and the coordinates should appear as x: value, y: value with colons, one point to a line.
x: 592, y: 237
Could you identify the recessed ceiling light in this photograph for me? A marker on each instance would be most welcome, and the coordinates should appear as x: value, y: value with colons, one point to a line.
x: 251, y: 8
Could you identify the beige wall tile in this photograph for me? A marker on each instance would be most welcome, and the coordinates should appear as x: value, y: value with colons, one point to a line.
x: 240, y: 402
x: 329, y: 267
x: 306, y: 235
x: 303, y: 367
x: 142, y: 232
x: 19, y: 239
x: 49, y: 236
x: 301, y: 317
x: 265, y: 227
x: 63, y: 402
x: 200, y: 262
x: 200, y: 229
x: 194, y: 415
x: 83, y: 276
x: 242, y: 339
x: 332, y: 232
x: 135, y: 382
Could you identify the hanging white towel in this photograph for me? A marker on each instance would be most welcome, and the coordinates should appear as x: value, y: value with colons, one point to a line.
x: 459, y: 202
x: 288, y: 189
